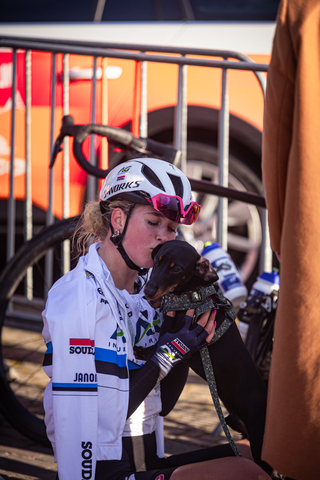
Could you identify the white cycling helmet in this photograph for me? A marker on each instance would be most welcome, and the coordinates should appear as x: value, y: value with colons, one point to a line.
x: 152, y: 181
x: 148, y: 181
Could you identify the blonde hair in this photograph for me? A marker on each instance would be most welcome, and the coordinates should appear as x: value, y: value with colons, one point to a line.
x: 93, y: 225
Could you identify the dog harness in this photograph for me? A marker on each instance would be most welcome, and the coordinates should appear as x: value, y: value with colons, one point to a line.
x: 203, y: 299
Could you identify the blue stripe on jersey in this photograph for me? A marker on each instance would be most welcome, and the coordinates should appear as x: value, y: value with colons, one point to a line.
x: 49, y: 348
x: 72, y: 387
x: 110, y: 356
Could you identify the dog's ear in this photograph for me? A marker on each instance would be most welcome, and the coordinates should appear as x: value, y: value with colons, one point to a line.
x: 205, y: 270
x: 156, y: 250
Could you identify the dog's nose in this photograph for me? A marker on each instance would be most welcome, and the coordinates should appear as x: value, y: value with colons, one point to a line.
x: 150, y: 290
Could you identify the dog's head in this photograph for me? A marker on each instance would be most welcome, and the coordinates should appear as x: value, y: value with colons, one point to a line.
x: 177, y: 268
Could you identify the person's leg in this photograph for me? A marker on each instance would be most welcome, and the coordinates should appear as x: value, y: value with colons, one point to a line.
x: 231, y: 468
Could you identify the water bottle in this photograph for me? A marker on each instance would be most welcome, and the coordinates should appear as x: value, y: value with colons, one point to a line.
x: 229, y: 278
x: 265, y: 284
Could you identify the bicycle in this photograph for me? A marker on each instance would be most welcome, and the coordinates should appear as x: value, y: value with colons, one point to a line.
x: 259, y: 312
x: 22, y: 380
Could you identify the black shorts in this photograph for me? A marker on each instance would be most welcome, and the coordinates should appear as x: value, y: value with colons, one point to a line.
x: 140, y: 461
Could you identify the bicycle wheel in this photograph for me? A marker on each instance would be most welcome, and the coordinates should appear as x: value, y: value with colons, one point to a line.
x: 22, y: 298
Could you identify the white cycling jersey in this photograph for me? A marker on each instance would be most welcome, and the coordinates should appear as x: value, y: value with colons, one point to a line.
x: 90, y: 328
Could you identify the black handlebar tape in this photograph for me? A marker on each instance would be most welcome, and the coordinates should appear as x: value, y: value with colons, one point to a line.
x: 115, y: 135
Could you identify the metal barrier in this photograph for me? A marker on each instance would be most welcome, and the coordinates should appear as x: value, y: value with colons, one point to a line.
x: 137, y: 53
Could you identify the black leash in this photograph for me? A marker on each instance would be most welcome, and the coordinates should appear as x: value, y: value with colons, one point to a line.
x: 203, y: 299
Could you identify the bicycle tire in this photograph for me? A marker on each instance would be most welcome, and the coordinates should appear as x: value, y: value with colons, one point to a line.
x: 263, y: 347
x: 259, y: 338
x: 12, y: 406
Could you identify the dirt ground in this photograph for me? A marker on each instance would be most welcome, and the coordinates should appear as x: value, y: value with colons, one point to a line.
x: 191, y: 425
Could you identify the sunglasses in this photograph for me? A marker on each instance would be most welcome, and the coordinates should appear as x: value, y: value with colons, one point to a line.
x: 171, y: 206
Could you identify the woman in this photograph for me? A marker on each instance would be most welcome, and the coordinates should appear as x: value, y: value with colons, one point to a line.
x: 102, y: 403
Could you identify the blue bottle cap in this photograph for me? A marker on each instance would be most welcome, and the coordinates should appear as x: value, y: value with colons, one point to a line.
x: 208, y: 246
x: 272, y: 277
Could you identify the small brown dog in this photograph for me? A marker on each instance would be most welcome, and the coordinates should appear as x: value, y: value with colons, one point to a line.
x: 177, y: 268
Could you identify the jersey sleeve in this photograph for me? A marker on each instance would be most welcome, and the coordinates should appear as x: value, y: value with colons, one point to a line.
x: 70, y: 364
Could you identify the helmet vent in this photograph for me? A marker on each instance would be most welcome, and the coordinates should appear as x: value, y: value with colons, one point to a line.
x: 152, y: 177
x: 177, y: 184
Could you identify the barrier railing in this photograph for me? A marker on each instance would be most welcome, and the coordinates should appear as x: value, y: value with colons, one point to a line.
x: 182, y: 57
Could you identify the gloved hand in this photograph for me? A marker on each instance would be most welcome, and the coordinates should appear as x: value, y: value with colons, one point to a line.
x: 174, y: 347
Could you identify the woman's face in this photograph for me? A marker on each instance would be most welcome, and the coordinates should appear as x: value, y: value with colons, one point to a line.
x: 146, y: 229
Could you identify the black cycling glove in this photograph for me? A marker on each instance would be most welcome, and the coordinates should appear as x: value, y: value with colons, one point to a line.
x: 174, y: 347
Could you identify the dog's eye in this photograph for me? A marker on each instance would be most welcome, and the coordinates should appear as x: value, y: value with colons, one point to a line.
x: 176, y: 269
x: 155, y: 261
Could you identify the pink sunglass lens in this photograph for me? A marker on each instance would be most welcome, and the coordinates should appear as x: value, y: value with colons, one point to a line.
x: 171, y: 207
x: 168, y: 206
x: 191, y: 215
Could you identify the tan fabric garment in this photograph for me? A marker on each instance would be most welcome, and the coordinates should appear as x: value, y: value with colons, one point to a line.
x: 291, y: 174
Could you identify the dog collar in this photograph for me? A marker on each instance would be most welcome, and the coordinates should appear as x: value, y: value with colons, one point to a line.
x: 202, y: 299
